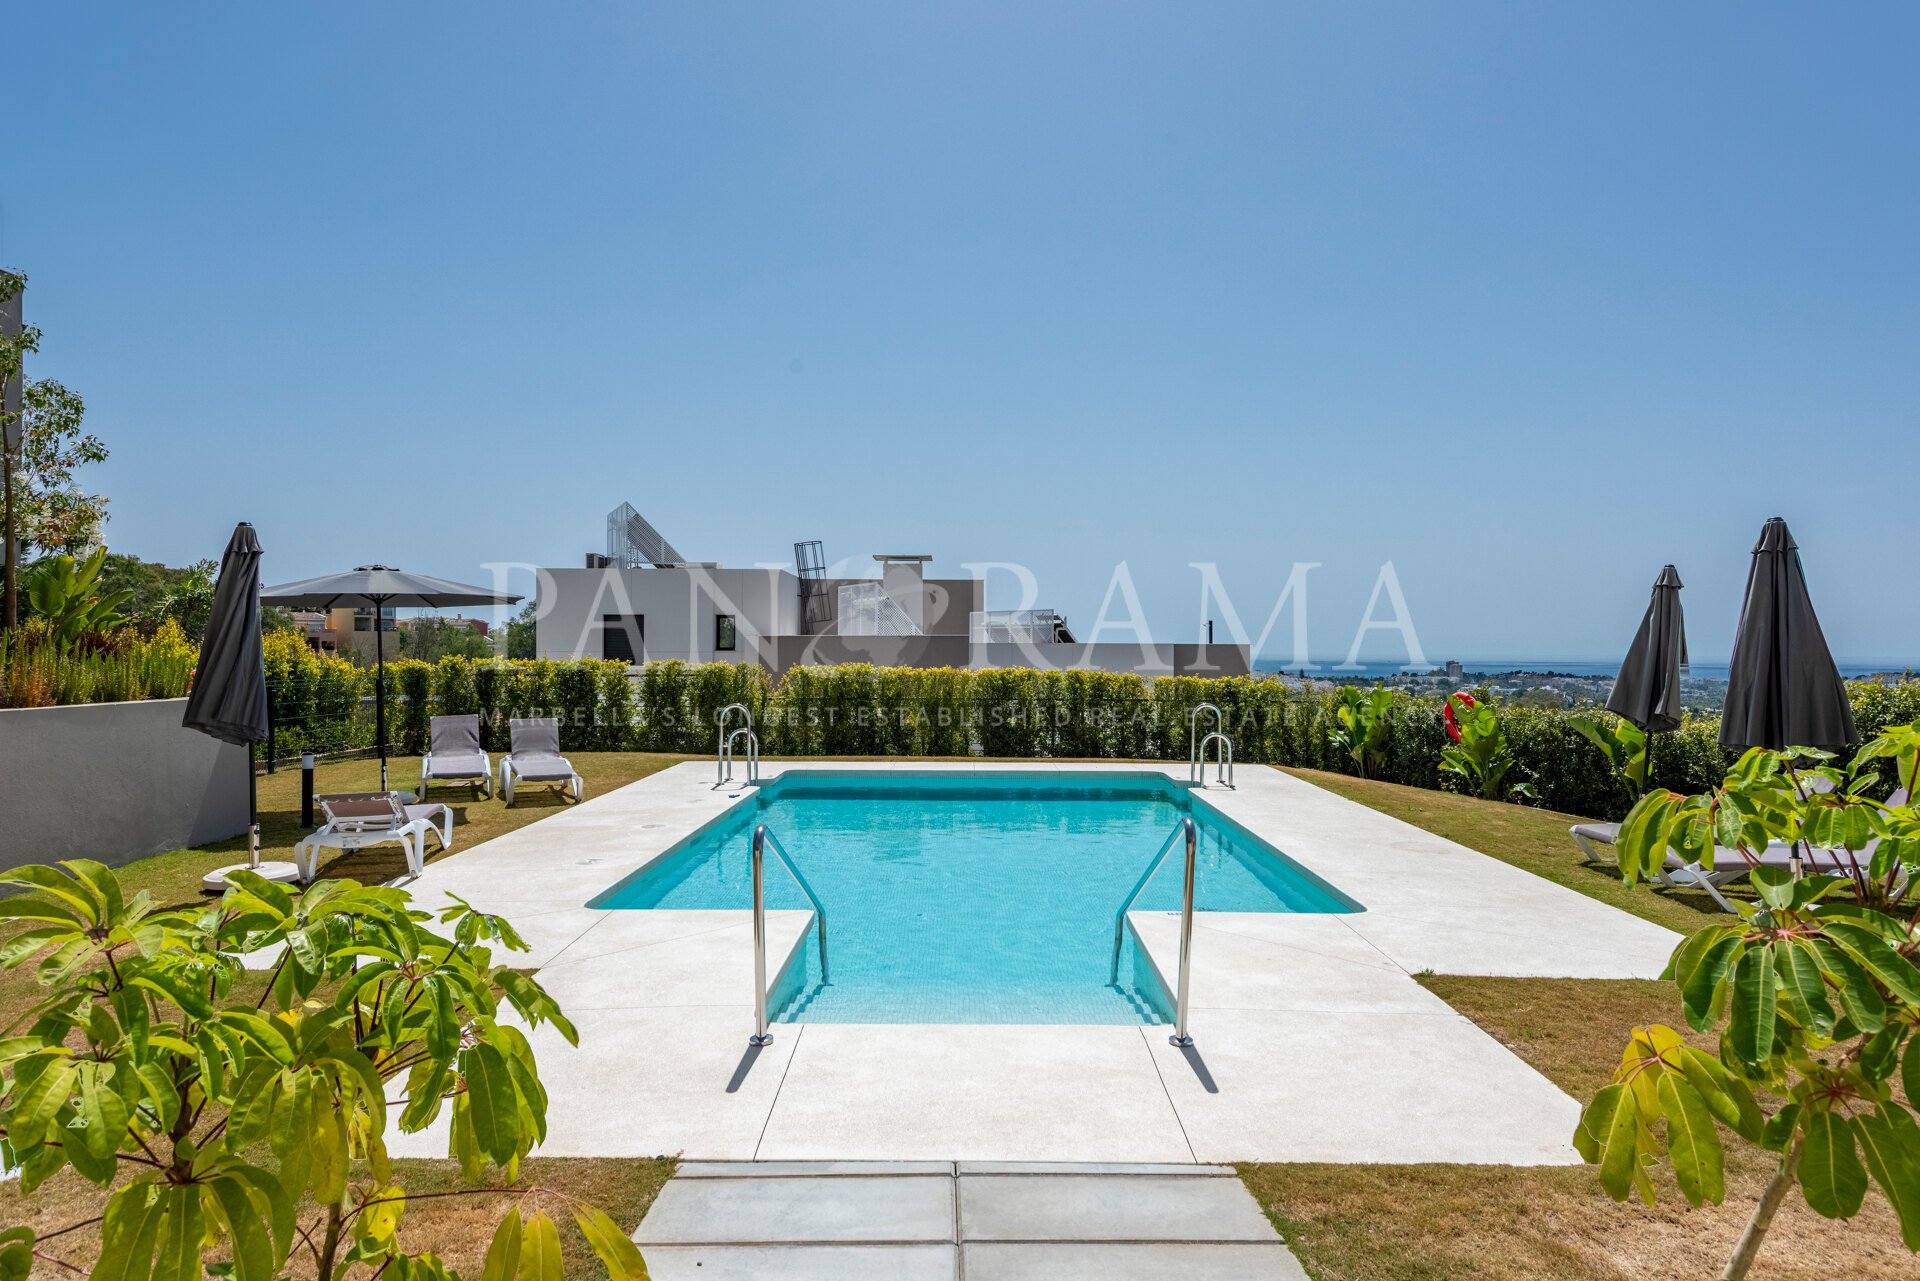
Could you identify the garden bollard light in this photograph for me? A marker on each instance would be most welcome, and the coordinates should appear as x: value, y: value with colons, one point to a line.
x: 306, y: 789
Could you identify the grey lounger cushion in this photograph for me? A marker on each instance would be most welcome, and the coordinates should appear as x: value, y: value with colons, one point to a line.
x: 536, y: 750
x: 455, y: 748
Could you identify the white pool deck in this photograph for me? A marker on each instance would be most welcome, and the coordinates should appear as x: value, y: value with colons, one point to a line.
x: 1312, y: 1040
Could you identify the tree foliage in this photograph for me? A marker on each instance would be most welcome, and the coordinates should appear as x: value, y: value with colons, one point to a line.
x: 251, y: 1129
x: 1814, y: 991
x: 430, y: 639
x: 53, y: 511
x: 521, y: 633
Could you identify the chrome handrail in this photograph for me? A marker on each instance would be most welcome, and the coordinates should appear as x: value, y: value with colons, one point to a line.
x: 1194, y: 744
x: 1120, y: 917
x: 1223, y: 760
x: 1187, y: 830
x: 720, y: 743
x: 762, y: 839
x: 753, y: 757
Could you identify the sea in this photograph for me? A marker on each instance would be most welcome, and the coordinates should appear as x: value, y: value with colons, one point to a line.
x: 1559, y: 666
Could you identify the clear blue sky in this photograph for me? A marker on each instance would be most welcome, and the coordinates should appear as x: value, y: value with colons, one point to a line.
x: 1526, y: 299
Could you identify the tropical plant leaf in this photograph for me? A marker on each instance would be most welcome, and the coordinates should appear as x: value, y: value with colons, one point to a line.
x: 252, y: 1244
x: 1890, y: 1141
x: 182, y: 1232
x: 540, y: 1250
x: 503, y: 1255
x: 1700, y: 986
x: 1831, y: 1175
x: 614, y: 1248
x: 495, y: 1105
x: 1693, y: 1145
x: 1805, y: 987
x: 1756, y: 988
x: 1607, y: 1131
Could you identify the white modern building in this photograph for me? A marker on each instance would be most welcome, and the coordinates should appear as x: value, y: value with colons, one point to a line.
x: 642, y: 602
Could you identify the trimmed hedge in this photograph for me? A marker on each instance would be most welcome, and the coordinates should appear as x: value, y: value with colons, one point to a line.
x: 855, y: 709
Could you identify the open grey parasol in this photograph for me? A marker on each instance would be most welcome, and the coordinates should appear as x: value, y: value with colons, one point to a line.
x: 1783, y: 689
x: 380, y: 587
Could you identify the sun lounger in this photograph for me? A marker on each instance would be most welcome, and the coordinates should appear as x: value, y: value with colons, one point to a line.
x: 536, y: 758
x: 1596, y: 842
x: 355, y: 820
x: 454, y: 755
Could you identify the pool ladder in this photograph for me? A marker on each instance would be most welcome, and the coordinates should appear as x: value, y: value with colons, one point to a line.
x: 723, y: 747
x: 1197, y: 748
x: 1185, y: 831
x: 763, y: 840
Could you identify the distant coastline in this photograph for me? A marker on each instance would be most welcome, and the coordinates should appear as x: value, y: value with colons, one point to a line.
x: 1715, y: 671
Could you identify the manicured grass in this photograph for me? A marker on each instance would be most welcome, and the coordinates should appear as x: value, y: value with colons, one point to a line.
x: 1503, y: 1223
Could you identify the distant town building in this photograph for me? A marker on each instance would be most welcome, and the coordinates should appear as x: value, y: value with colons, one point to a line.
x: 639, y: 602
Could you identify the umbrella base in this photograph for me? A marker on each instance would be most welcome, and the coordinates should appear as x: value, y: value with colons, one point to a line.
x: 215, y: 882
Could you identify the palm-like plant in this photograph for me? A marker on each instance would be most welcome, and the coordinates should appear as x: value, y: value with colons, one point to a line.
x: 62, y: 591
x: 231, y: 1125
x: 1816, y: 998
x: 1480, y: 756
x: 1363, y: 727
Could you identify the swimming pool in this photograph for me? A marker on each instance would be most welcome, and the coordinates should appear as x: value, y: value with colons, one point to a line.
x: 972, y: 897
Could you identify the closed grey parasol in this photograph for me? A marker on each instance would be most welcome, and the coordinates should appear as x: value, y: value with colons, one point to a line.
x: 1783, y: 689
x: 229, y: 696
x: 1648, y: 690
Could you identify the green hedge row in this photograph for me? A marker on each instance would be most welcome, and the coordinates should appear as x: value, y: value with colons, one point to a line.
x: 855, y: 709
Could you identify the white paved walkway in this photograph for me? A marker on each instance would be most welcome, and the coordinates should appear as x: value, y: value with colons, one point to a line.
x: 937, y: 1221
x: 1313, y: 1042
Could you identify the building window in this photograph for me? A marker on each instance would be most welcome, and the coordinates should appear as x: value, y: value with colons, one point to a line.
x: 723, y: 631
x: 623, y: 637
x: 363, y: 619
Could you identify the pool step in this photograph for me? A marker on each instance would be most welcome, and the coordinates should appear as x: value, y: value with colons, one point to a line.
x: 939, y: 1221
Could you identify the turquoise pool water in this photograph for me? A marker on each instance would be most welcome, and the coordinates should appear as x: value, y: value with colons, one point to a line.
x: 972, y: 898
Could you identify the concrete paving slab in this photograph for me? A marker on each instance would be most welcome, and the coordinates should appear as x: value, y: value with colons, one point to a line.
x: 650, y: 1082
x: 1400, y: 1088
x: 800, y: 1262
x: 973, y: 1092
x: 1324, y: 967
x: 908, y: 1208
x: 1106, y: 1208
x: 633, y: 961
x: 1156, y: 1261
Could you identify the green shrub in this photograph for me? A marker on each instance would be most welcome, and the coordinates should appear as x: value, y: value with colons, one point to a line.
x: 613, y: 685
x: 39, y: 670
x: 661, y: 708
x: 314, y: 700
x: 489, y: 698
x: 1004, y: 713
x: 713, y: 686
x: 410, y: 705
